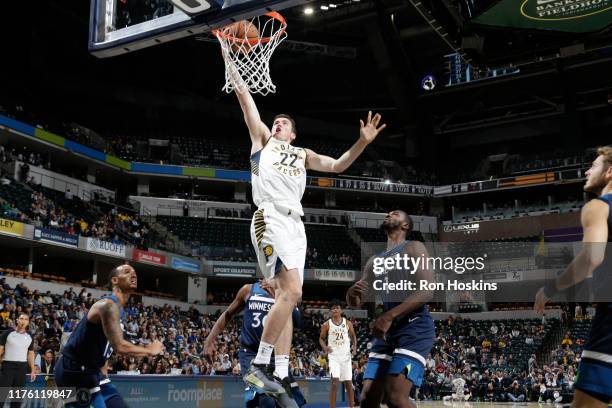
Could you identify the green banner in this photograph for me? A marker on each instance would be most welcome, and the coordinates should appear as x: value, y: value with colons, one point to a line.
x: 576, y: 16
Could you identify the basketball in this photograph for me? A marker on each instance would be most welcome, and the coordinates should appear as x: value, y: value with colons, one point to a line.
x: 246, y: 35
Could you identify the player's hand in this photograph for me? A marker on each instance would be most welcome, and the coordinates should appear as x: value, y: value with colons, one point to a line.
x: 370, y: 129
x: 358, y: 290
x: 33, y: 376
x: 353, y: 351
x: 157, y: 347
x: 327, y: 349
x: 540, y: 301
x: 268, y: 285
x: 381, y: 326
x: 210, y: 347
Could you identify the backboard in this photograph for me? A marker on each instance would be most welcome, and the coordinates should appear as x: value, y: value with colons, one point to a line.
x: 122, y: 26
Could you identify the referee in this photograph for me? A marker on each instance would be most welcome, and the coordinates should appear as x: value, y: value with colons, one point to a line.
x: 16, y: 354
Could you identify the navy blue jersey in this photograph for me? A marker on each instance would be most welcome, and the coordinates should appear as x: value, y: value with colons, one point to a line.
x: 391, y: 299
x: 600, y: 339
x: 256, y: 310
x: 88, y: 345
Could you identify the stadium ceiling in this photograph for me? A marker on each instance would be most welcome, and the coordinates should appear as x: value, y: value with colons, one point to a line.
x: 338, y: 63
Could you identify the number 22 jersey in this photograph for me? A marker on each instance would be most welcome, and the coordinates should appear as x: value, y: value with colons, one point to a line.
x: 278, y: 175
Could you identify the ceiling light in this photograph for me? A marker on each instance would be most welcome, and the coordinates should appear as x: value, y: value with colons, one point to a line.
x: 324, y: 8
x: 332, y: 5
x: 308, y: 11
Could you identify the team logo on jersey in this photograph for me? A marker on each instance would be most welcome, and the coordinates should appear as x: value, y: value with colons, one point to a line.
x: 288, y: 159
x: 267, y: 250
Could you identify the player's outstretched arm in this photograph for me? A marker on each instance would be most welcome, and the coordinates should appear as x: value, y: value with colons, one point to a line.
x: 109, y: 316
x: 210, y: 345
x: 257, y: 129
x: 357, y: 293
x: 594, y: 220
x: 368, y: 132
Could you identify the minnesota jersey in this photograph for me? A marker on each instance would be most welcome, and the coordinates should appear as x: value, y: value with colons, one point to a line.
x: 389, y: 298
x: 278, y: 175
x: 88, y: 344
x: 254, y: 315
x: 338, y: 338
x: 599, y: 344
x: 256, y: 310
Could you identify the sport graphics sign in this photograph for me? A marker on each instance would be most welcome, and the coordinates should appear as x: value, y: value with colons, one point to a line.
x: 578, y: 16
x: 233, y: 270
x: 105, y: 247
x: 56, y: 237
x: 149, y: 257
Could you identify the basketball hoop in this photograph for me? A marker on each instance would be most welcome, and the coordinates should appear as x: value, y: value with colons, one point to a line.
x: 247, y: 47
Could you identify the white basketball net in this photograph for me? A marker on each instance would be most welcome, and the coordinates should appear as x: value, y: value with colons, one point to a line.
x: 247, y: 60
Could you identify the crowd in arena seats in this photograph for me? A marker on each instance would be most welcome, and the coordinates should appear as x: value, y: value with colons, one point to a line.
x: 34, y: 204
x: 492, y: 360
x: 509, y: 210
x: 54, y: 316
x: 496, y: 361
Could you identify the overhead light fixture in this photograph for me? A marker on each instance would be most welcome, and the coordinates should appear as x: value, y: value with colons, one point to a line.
x: 332, y: 5
x: 308, y: 11
x: 324, y: 8
x: 387, y: 181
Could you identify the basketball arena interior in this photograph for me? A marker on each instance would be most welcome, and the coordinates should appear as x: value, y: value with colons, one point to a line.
x: 121, y: 143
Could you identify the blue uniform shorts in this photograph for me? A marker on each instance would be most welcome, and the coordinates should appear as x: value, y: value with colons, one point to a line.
x: 403, y: 351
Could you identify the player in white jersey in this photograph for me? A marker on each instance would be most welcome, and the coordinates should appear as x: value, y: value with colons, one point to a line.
x: 277, y: 232
x: 334, y: 339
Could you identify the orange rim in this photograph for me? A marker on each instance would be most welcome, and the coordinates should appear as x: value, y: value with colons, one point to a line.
x: 273, y: 14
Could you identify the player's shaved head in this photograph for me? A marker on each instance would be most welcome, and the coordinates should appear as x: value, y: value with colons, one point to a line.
x: 117, y: 271
x: 397, y: 219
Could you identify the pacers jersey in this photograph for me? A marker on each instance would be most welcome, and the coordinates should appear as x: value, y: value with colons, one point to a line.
x: 278, y: 175
x: 600, y: 338
x: 88, y: 345
x: 338, y: 338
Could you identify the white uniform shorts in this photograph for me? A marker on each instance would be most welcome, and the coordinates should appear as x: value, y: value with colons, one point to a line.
x: 278, y: 236
x: 341, y: 367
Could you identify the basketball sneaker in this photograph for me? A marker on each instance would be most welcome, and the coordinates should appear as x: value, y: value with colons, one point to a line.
x: 261, y: 378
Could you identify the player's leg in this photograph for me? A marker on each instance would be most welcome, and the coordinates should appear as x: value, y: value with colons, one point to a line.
x: 333, y: 391
x: 112, y: 398
x: 288, y: 293
x: 346, y: 376
x: 372, y: 393
x: 397, y: 390
x: 591, y: 400
x: 348, y: 386
x: 375, y: 373
x: 282, y: 350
